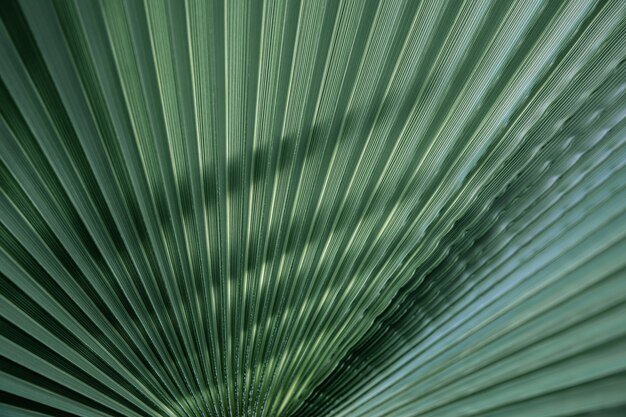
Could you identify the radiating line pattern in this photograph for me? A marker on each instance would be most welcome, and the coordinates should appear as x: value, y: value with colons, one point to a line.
x: 312, y: 208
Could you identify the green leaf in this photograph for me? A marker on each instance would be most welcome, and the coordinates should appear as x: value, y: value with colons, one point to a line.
x: 312, y: 208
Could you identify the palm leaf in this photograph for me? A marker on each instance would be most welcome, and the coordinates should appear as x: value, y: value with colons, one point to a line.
x: 310, y: 208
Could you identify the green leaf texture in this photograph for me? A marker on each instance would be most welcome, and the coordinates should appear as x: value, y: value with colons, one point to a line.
x: 312, y: 208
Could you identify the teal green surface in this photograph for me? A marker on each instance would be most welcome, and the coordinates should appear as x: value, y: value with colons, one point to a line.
x: 312, y: 208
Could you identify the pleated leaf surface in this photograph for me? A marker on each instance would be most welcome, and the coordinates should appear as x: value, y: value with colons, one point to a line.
x: 312, y: 208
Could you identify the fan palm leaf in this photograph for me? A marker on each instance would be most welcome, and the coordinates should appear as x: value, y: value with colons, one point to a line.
x: 312, y: 208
